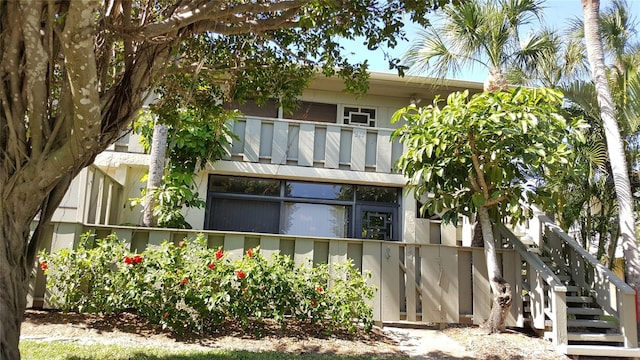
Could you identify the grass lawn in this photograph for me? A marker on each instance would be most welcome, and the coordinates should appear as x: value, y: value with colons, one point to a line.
x: 36, y: 350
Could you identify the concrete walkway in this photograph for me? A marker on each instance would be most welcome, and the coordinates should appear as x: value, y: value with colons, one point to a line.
x: 426, y: 344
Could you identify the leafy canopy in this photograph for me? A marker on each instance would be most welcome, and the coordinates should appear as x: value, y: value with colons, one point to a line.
x: 492, y: 150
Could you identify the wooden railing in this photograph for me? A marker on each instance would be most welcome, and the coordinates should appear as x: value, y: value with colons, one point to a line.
x: 429, y: 283
x: 93, y: 198
x: 316, y: 144
x: 303, y: 143
x: 548, y: 293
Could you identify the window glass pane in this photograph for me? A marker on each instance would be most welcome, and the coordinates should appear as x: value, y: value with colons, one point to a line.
x: 315, y: 220
x: 239, y: 185
x: 245, y: 215
x: 318, y: 191
x: 377, y: 194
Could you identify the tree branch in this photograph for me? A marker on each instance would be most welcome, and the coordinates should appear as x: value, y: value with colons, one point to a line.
x: 476, y: 166
x: 216, y: 16
x: 37, y: 62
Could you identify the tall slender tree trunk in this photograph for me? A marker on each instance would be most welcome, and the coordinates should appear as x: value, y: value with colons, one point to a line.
x: 502, y: 296
x: 156, y: 170
x: 615, y: 145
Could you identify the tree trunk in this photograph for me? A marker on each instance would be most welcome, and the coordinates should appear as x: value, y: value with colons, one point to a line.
x: 477, y: 239
x: 500, y: 287
x: 14, y: 282
x: 156, y: 170
x: 615, y: 145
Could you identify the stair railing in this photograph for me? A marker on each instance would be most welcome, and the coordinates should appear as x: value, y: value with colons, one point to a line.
x: 616, y: 297
x: 547, y: 294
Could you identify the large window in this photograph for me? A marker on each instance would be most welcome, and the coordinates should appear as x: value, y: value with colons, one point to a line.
x: 302, y: 208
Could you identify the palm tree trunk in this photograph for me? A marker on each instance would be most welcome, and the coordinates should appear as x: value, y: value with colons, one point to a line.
x: 156, y: 170
x: 615, y: 146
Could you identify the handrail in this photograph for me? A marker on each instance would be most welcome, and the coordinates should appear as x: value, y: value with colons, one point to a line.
x: 543, y: 269
x: 624, y: 287
x: 317, y: 123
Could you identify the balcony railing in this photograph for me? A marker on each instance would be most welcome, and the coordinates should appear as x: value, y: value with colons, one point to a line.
x: 314, y: 144
x: 304, y: 143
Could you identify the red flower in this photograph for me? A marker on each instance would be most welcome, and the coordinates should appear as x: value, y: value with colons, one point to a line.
x: 250, y: 253
x: 219, y: 254
x: 44, y: 265
x: 240, y: 274
x: 212, y: 265
x: 183, y: 281
x: 128, y: 260
x: 137, y: 259
x: 319, y: 289
x: 314, y: 303
x: 166, y: 315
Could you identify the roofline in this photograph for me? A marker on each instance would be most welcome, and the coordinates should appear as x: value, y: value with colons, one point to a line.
x: 423, y: 80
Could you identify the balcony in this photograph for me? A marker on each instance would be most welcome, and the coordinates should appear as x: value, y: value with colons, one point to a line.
x: 303, y: 143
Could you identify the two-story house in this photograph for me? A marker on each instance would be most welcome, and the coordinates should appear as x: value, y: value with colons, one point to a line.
x: 319, y: 185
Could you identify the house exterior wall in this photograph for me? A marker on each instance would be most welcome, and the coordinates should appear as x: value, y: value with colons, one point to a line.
x: 309, y: 151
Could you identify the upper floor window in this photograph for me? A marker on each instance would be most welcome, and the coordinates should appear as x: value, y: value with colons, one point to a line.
x: 314, y: 111
x: 358, y: 115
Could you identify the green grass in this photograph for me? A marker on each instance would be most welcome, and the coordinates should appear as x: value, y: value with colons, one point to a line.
x: 55, y: 350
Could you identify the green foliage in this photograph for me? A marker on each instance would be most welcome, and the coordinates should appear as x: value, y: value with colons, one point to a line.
x: 189, y: 287
x: 195, y: 136
x: 493, y: 150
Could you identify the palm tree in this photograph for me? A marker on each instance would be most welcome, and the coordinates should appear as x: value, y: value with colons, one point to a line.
x: 484, y: 33
x: 615, y: 145
x: 479, y: 33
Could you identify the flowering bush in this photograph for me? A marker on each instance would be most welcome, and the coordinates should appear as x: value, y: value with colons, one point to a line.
x: 190, y: 287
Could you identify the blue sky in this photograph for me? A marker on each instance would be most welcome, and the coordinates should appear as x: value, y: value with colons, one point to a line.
x: 557, y: 13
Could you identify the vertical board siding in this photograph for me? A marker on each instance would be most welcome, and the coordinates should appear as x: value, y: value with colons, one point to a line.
x: 429, y: 289
x: 332, y: 148
x: 358, y: 149
x: 252, y: 140
x: 303, y: 143
x: 383, y: 154
x: 269, y: 246
x: 410, y: 278
x: 266, y: 139
x: 481, y: 287
x: 390, y: 286
x: 346, y: 139
x: 305, y: 147
x: 303, y: 251
x: 414, y: 282
x: 280, y: 141
x: 449, y: 284
x: 372, y: 262
x: 319, y: 144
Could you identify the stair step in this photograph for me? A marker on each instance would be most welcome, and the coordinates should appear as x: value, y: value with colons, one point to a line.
x: 584, y: 311
x: 573, y: 288
x: 603, y: 324
x: 600, y: 350
x: 573, y: 336
x: 580, y: 299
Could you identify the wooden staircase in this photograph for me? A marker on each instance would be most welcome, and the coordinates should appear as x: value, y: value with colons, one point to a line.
x: 572, y: 300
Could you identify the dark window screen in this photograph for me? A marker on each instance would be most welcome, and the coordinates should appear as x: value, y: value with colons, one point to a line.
x: 245, y: 215
x: 250, y: 108
x: 312, y: 111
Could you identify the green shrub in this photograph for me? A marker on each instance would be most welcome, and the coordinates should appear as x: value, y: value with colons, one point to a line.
x: 189, y: 287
